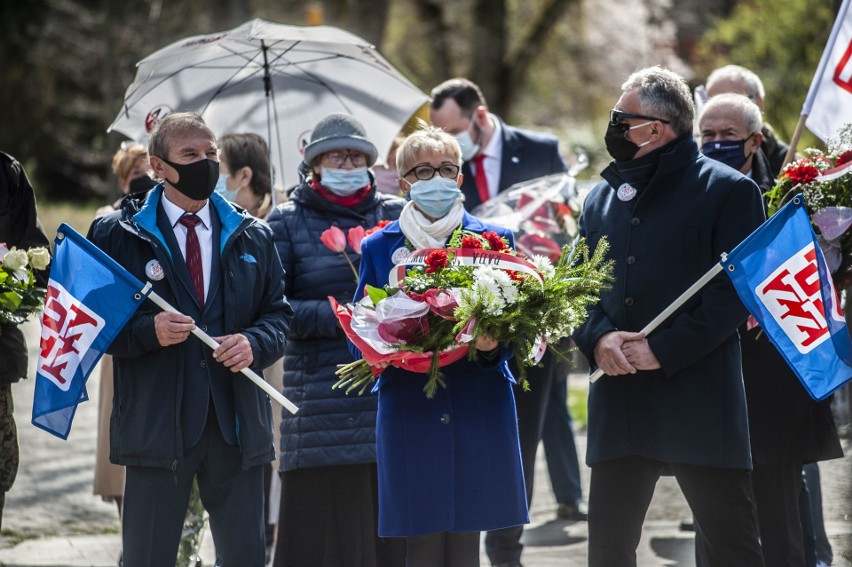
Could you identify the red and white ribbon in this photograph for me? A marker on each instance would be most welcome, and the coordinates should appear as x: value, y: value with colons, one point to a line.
x: 474, y: 257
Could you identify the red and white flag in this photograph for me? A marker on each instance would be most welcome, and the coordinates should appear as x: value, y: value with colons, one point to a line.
x: 829, y: 102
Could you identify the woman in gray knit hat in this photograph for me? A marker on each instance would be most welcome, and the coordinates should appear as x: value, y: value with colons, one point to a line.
x: 329, y: 497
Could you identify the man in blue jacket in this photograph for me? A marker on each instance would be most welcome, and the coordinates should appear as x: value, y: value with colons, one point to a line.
x: 673, y: 401
x: 180, y: 409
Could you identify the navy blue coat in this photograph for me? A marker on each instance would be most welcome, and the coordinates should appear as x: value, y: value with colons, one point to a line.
x: 693, y: 409
x: 145, y: 426
x: 526, y: 155
x: 330, y: 428
x: 453, y: 462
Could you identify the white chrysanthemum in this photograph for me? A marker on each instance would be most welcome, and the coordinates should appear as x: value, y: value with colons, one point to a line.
x: 544, y: 266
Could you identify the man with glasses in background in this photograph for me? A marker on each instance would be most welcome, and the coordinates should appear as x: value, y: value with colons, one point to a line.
x: 497, y: 156
x: 673, y: 401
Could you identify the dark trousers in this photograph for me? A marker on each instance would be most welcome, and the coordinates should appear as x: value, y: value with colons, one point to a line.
x: 155, y: 502
x: 563, y: 465
x: 777, y: 490
x: 504, y: 546
x: 720, y: 499
x: 444, y: 549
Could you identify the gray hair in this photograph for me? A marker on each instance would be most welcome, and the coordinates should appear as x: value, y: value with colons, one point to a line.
x: 751, y: 83
x: 742, y: 104
x: 172, y: 126
x: 663, y: 94
x: 428, y: 139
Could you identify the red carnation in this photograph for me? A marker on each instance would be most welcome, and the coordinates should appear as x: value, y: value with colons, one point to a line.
x: 436, y: 260
x: 845, y: 157
x: 515, y: 275
x: 471, y: 242
x: 494, y: 241
x: 801, y: 172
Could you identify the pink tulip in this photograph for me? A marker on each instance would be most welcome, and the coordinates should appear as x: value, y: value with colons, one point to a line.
x: 355, y: 236
x: 334, y: 239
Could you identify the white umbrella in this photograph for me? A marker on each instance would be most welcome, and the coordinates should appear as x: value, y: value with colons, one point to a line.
x: 274, y: 80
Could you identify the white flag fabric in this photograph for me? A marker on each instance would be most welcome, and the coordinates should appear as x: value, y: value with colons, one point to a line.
x: 829, y: 102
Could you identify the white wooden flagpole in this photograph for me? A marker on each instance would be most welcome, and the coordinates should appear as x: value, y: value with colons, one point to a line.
x: 251, y: 374
x: 693, y: 289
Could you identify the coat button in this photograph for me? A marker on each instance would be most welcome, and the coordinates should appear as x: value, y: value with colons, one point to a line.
x: 203, y: 364
x: 204, y: 328
x: 628, y: 301
x: 631, y: 260
x: 634, y: 221
x: 445, y: 418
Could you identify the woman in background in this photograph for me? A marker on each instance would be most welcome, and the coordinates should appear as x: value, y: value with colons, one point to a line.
x: 244, y: 172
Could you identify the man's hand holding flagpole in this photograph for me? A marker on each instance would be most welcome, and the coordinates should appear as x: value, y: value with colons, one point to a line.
x: 782, y: 279
x: 248, y: 372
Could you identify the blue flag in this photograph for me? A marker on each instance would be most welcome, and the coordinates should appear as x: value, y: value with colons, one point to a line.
x: 781, y: 277
x: 89, y: 299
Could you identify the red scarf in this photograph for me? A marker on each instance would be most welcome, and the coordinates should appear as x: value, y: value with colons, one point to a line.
x: 348, y: 201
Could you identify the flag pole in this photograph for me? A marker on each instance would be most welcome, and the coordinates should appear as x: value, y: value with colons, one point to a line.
x: 693, y: 289
x: 251, y: 374
x: 794, y: 141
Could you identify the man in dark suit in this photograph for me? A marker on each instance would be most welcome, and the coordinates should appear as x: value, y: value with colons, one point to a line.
x: 674, y: 400
x: 181, y: 411
x: 497, y: 156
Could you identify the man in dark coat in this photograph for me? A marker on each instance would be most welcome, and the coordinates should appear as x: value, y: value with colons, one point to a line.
x: 19, y: 227
x: 180, y: 409
x: 787, y: 427
x: 497, y: 156
x: 675, y: 400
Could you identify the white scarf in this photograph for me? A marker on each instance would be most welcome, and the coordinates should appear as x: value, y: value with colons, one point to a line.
x: 422, y: 232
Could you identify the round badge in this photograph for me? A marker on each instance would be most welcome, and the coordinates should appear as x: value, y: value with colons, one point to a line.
x: 399, y: 255
x: 626, y: 192
x: 154, y: 270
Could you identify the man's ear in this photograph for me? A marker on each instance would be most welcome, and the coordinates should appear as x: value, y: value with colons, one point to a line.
x: 756, y: 141
x: 480, y: 116
x: 245, y: 175
x: 157, y: 166
x: 461, y: 178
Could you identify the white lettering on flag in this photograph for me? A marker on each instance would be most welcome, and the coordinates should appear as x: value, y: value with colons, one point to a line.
x: 792, y: 296
x: 68, y: 330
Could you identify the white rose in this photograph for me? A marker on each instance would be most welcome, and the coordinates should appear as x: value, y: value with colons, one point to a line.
x: 39, y: 257
x: 15, y: 260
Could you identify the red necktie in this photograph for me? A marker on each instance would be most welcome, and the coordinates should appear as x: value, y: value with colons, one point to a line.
x: 481, y: 180
x: 193, y: 256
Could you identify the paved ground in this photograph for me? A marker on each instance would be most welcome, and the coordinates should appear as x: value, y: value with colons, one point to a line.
x: 52, y: 519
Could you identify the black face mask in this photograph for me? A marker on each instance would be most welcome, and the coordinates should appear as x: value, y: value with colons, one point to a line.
x: 617, y: 144
x: 197, y: 179
x: 141, y: 184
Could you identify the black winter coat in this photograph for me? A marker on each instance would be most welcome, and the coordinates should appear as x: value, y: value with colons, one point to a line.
x: 145, y: 426
x: 19, y: 227
x: 330, y: 428
x: 693, y: 409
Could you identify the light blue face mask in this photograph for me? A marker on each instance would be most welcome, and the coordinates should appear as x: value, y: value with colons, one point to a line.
x: 222, y: 188
x: 435, y: 197
x: 344, y: 182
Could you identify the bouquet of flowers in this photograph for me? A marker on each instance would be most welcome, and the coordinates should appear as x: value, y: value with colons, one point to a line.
x: 19, y: 294
x: 430, y: 315
x: 825, y: 180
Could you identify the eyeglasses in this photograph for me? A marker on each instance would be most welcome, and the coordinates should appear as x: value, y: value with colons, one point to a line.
x: 357, y: 159
x: 424, y: 171
x: 617, y: 116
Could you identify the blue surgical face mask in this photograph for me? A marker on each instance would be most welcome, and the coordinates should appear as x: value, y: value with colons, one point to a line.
x: 729, y: 152
x: 222, y: 188
x: 435, y: 197
x: 344, y: 182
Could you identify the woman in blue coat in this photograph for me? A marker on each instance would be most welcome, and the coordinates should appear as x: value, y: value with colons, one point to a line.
x: 449, y: 466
